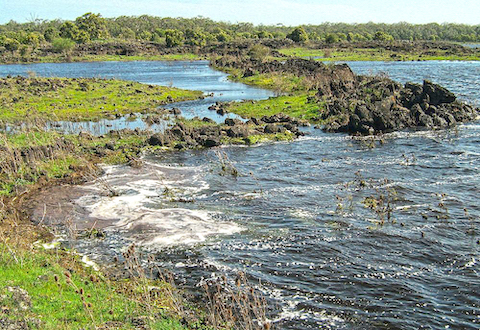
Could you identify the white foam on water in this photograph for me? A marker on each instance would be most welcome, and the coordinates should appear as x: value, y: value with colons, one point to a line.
x: 290, y: 310
x: 137, y: 211
x: 166, y: 227
x: 303, y: 214
x: 157, y: 227
x: 471, y: 263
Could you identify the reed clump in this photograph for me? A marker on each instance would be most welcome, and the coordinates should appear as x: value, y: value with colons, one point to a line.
x: 238, y: 306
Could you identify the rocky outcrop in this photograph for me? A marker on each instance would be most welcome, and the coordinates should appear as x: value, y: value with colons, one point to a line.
x: 386, y: 106
x: 330, y: 79
x: 363, y: 104
x: 182, y: 136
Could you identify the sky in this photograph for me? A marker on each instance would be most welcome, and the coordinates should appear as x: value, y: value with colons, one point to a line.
x: 286, y: 12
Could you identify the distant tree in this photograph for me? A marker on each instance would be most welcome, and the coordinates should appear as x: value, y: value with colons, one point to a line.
x: 69, y: 30
x: 314, y: 36
x: 23, y: 50
x: 221, y: 36
x: 382, y: 36
x: 173, y: 38
x: 195, y: 38
x: 245, y: 35
x: 341, y: 36
x: 126, y: 33
x: 11, y: 44
x: 265, y: 34
x: 331, y: 38
x: 298, y: 35
x: 159, y: 32
x: 145, y: 35
x: 82, y: 37
x: 93, y: 24
x: 50, y: 34
x: 34, y: 39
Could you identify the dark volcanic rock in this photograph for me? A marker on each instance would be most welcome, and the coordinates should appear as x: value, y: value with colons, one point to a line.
x: 437, y: 94
x: 386, y: 107
x: 361, y: 104
x: 158, y: 139
x: 272, y: 129
x: 238, y: 132
x: 211, y: 141
x: 233, y: 121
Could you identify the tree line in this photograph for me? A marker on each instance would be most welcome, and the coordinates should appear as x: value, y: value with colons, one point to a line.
x: 200, y: 31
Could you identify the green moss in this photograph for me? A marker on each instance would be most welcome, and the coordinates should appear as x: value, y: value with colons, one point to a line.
x: 296, y: 106
x: 58, y: 289
x: 260, y: 138
x: 195, y: 122
x: 85, y: 99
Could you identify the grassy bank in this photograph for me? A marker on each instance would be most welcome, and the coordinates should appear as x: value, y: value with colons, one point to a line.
x: 43, y: 288
x: 81, y: 99
x: 53, y: 289
x: 295, y: 96
x: 66, y: 58
x: 376, y: 54
x: 296, y: 106
x: 39, y: 157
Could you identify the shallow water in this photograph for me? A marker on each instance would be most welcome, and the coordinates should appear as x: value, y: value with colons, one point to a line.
x: 295, y: 219
x: 192, y: 75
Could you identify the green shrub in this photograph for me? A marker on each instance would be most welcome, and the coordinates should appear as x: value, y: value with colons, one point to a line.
x: 63, y: 45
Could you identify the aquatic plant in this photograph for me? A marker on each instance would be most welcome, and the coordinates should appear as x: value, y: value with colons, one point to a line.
x: 381, y: 203
x: 237, y: 306
x: 226, y: 165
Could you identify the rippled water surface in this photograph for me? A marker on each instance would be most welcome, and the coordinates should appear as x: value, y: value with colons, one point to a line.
x: 295, y: 219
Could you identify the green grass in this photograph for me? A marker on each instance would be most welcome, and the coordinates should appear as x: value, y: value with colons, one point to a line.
x: 130, y: 58
x: 66, y: 296
x: 69, y: 152
x: 82, y: 99
x: 296, y: 106
x: 368, y: 54
x: 280, y: 83
x: 293, y: 101
x: 27, y: 139
x: 61, y: 58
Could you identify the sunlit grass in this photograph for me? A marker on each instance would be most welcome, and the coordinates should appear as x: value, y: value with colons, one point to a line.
x: 297, y: 106
x: 374, y: 54
x: 66, y: 295
x: 81, y: 99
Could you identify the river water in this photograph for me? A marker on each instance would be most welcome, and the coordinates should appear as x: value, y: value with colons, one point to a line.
x: 295, y: 219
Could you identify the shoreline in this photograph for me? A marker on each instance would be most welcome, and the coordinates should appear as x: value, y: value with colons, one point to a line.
x: 120, y: 147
